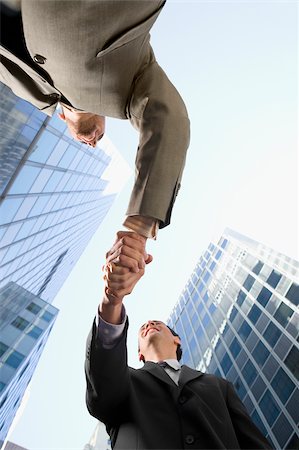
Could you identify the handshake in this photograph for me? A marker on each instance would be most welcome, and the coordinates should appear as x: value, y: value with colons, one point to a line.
x: 125, y: 265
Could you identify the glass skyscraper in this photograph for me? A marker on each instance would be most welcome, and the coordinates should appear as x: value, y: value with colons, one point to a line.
x: 238, y: 318
x: 54, y: 194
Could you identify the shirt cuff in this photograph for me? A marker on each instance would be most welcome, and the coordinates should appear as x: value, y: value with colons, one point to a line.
x: 108, y: 333
x: 143, y: 225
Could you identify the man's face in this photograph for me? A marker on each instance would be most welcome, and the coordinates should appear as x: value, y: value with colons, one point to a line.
x: 155, y: 332
x: 85, y: 127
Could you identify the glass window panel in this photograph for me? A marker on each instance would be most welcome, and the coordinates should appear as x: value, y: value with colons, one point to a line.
x: 73, y: 165
x: 10, y: 233
x: 24, y: 180
x: 3, y: 348
x: 25, y: 207
x: 283, y: 314
x: 69, y: 154
x: 53, y: 181
x: 39, y: 205
x: 269, y: 407
x: 57, y: 123
x: 274, y: 278
x: 35, y: 332
x: 260, y: 354
x: 41, y: 180
x: 20, y: 323
x: 12, y: 252
x: 226, y: 363
x: 235, y: 347
x: 293, y: 294
x: 34, y: 308
x: 254, y: 314
x: 259, y: 423
x: 25, y: 229
x: 248, y: 282
x: 8, y: 209
x: 249, y: 372
x: 257, y: 268
x: 47, y: 316
x: 272, y: 334
x: 241, y: 297
x: 244, y: 331
x: 264, y: 296
x: 282, y: 385
x: 43, y: 147
x: 2, y: 386
x: 292, y: 361
x: 240, y: 388
x: 14, y: 359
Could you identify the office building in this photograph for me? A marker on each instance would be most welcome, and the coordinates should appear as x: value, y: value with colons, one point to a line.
x: 238, y: 318
x: 54, y: 194
x: 99, y: 439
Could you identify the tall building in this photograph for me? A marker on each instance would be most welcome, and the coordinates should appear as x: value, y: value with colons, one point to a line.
x: 54, y: 194
x: 99, y: 439
x: 238, y: 318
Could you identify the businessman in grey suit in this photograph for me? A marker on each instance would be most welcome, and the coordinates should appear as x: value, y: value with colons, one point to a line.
x: 94, y: 58
x: 162, y: 405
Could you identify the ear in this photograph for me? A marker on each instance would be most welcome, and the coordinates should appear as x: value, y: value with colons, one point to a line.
x: 140, y: 357
x: 177, y: 340
x: 61, y: 116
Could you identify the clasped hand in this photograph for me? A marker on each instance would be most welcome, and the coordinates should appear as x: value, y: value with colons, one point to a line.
x: 125, y: 265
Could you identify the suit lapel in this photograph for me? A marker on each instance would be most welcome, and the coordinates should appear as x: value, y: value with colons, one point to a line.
x: 158, y: 372
x: 187, y: 374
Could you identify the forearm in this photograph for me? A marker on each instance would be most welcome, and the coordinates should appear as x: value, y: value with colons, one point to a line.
x: 111, y: 310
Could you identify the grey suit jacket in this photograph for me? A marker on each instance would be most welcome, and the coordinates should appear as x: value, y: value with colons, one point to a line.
x: 144, y: 409
x: 97, y: 55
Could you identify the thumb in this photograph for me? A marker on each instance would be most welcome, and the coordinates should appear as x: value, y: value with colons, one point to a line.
x: 148, y: 259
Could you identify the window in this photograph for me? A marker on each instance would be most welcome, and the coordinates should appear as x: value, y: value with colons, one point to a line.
x: 264, y: 296
x: 218, y: 254
x: 2, y: 386
x: 20, y: 323
x: 34, y: 308
x: 283, y: 314
x: 257, y: 268
x: 233, y: 314
x: 35, y: 332
x: 260, y: 354
x: 3, y: 348
x: 235, y: 347
x: 282, y: 385
x: 240, y: 388
x: 241, y: 297
x: 272, y: 334
x: 14, y: 359
x: 44, y: 147
x: 274, y: 278
x: 292, y: 361
x: 254, y: 314
x: 248, y: 282
x: 224, y: 243
x: 244, y: 331
x: 259, y: 423
x: 249, y: 372
x: 293, y: 294
x: 269, y: 407
x: 226, y: 363
x: 47, y: 316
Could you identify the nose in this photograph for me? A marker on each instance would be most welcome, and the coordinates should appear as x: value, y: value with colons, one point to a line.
x: 150, y: 323
x: 90, y: 139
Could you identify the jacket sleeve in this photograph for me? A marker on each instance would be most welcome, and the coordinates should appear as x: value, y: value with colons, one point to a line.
x: 158, y: 112
x: 107, y: 377
x: 248, y: 435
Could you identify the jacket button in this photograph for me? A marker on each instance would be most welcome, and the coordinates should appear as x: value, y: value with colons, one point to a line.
x: 54, y: 96
x: 189, y: 439
x: 182, y: 399
x: 39, y: 59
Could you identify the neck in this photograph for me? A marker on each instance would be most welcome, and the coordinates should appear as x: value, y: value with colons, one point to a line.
x: 156, y: 354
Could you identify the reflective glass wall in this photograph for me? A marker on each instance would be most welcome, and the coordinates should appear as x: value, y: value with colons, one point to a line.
x: 238, y: 318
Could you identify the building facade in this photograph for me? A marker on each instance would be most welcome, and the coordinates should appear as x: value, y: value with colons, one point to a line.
x: 54, y: 194
x: 238, y: 318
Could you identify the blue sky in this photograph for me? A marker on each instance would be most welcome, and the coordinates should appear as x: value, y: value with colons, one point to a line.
x: 235, y: 65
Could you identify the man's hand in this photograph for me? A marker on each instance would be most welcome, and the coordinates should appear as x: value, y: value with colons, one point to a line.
x: 129, y: 251
x: 125, y: 265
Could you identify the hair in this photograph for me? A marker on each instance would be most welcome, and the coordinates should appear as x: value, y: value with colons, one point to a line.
x: 179, y: 351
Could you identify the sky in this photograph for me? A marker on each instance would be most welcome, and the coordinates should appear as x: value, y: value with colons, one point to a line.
x: 235, y: 65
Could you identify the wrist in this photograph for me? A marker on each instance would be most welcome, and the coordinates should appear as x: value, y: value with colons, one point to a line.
x: 110, y: 309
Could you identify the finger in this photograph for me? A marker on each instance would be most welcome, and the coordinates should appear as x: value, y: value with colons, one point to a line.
x: 149, y: 259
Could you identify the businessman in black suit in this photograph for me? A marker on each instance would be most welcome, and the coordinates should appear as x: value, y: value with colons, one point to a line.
x: 162, y: 405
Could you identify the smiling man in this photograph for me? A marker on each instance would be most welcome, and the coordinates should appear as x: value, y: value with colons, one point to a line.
x: 94, y: 58
x: 162, y: 405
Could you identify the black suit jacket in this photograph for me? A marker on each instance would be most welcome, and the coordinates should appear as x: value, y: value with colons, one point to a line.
x: 144, y: 409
